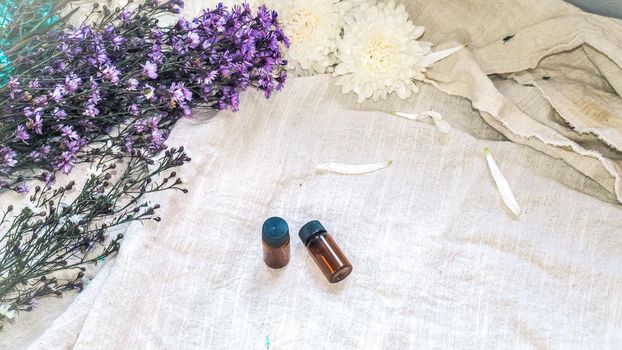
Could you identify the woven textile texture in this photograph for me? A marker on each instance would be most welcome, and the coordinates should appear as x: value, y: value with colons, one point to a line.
x: 439, y: 262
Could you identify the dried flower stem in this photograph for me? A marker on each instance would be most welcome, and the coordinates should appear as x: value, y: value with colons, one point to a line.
x: 58, y: 234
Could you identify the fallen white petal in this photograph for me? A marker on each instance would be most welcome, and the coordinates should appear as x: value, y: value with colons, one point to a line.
x: 352, y: 169
x: 434, y: 57
x: 409, y: 116
x: 502, y: 184
x: 442, y: 125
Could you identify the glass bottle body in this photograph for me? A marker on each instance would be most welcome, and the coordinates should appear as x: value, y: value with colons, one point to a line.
x: 329, y: 258
x: 276, y: 257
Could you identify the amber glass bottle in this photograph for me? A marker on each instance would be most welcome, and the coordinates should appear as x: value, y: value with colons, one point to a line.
x: 275, y: 241
x: 327, y: 255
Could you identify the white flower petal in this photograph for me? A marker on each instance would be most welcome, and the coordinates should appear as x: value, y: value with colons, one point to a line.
x: 352, y: 169
x: 418, y: 32
x: 434, y: 57
x: 442, y: 125
x: 502, y: 185
x: 93, y: 171
x: 340, y: 69
x: 402, y: 92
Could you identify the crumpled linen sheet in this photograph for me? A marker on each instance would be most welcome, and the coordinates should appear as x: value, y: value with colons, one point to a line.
x: 439, y: 262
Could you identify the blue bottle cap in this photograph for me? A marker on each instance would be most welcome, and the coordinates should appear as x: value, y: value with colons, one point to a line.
x: 275, y: 232
x: 310, y: 230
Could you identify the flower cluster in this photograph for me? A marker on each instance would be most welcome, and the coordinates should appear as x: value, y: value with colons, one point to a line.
x: 376, y: 63
x: 46, y: 244
x: 372, y: 47
x: 108, y: 94
x: 126, y: 81
x: 313, y: 28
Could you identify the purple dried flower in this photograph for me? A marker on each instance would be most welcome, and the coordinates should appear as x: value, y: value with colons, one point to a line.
x: 36, y: 124
x: 34, y: 84
x: 35, y: 156
x: 13, y: 85
x: 193, y: 39
x: 129, y: 144
x: 66, y: 162
x: 95, y: 98
x: 149, y: 92
x: 156, y: 54
x: 140, y: 126
x: 134, y: 109
x: 175, y: 6
x: 132, y: 84
x: 90, y: 110
x: 68, y: 132
x: 29, y: 112
x: 214, y: 57
x: 150, y: 70
x: 47, y: 178
x: 117, y: 41
x: 21, y: 134
x: 111, y: 73
x: 180, y: 93
x: 59, y: 114
x: 281, y: 80
x: 21, y: 188
x: 8, y: 158
x: 78, y: 34
x: 125, y: 16
x: 41, y: 101
x: 157, y: 139
x: 154, y: 122
x: 210, y: 77
x: 59, y: 93
x: 74, y: 145
x: 72, y: 82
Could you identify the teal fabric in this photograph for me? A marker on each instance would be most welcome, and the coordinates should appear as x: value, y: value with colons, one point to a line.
x: 6, y: 12
x: 7, y: 9
x: 6, y: 69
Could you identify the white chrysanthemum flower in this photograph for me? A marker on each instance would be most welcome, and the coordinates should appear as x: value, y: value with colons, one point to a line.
x: 312, y: 28
x: 380, y: 53
x: 348, y: 8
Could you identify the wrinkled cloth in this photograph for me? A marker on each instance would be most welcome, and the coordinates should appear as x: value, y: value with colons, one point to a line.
x: 439, y: 262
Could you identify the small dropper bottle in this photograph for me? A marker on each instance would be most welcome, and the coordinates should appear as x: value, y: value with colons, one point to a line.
x: 275, y: 242
x: 327, y: 255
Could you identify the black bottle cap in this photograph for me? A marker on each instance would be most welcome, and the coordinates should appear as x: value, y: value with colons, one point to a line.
x: 310, y: 230
x: 275, y: 232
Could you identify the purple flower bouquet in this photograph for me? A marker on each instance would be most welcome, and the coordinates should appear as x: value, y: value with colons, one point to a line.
x: 125, y: 81
x: 104, y: 94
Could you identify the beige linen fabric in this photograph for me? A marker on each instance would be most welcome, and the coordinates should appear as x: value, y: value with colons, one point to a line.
x: 543, y: 42
x: 439, y: 262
